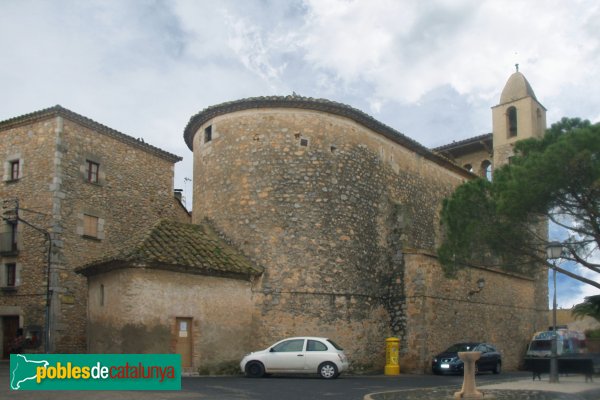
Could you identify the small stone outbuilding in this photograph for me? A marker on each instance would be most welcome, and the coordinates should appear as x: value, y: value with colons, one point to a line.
x: 178, y: 289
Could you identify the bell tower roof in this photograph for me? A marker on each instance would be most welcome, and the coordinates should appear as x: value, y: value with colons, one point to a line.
x: 516, y: 88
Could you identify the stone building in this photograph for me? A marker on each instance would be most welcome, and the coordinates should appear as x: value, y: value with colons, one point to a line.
x: 87, y: 188
x: 184, y: 289
x: 342, y: 212
x: 309, y: 218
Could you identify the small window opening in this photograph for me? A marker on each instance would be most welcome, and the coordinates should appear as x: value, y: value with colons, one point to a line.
x: 333, y: 149
x: 14, y: 170
x: 90, y: 226
x: 92, y: 171
x: 512, y: 121
x: 101, y: 294
x: 304, y: 142
x: 13, y: 236
x: 486, y: 170
x: 208, y: 134
x: 11, y: 274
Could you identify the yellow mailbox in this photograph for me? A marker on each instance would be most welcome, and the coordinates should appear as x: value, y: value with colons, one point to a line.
x: 391, y: 356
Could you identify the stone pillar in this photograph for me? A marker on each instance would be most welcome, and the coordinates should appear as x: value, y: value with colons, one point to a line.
x: 469, y: 390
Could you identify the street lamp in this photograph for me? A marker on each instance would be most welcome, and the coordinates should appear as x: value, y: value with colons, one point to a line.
x: 554, y: 251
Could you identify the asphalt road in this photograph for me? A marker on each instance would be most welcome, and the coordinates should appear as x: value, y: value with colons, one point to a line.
x: 346, y: 387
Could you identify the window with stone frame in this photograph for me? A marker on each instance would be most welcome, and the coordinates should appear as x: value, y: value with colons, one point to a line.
x: 90, y: 226
x: 15, y: 169
x: 10, y: 275
x: 93, y: 171
x: 9, y: 239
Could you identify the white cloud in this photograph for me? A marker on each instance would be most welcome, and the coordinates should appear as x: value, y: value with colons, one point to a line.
x: 429, y: 69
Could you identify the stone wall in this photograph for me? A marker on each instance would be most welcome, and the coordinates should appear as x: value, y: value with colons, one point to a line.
x: 477, y: 160
x: 327, y: 206
x: 32, y: 145
x: 134, y: 190
x: 149, y: 300
x: 503, y: 311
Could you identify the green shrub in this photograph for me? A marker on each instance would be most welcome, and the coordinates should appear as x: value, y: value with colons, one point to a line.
x: 592, y: 334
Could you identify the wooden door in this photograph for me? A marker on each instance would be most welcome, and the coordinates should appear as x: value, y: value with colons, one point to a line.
x: 183, y: 340
x: 10, y: 324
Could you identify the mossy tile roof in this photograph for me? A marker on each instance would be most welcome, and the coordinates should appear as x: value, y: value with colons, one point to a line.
x: 180, y: 247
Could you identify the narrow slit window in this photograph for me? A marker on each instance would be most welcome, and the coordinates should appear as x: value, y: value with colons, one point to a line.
x: 11, y: 274
x: 512, y: 121
x: 13, y: 236
x: 208, y: 134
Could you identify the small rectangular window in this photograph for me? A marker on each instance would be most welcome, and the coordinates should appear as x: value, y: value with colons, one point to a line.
x: 92, y: 171
x: 304, y: 142
x: 13, y: 236
x: 90, y: 226
x: 208, y: 134
x: 14, y: 170
x: 11, y: 274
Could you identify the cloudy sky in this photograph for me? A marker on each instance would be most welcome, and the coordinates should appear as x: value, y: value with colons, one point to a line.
x: 430, y: 69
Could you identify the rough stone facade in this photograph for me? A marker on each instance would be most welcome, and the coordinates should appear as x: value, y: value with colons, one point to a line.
x: 150, y: 300
x: 338, y: 212
x: 331, y: 205
x: 134, y: 188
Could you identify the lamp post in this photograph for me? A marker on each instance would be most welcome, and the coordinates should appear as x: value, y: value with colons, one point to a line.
x: 554, y: 251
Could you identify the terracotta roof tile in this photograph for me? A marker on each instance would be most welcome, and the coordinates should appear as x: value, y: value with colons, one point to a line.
x: 176, y: 246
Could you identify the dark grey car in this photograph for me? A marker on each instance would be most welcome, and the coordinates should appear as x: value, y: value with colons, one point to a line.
x: 448, y: 362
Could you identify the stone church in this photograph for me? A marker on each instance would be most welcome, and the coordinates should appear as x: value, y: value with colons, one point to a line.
x: 309, y: 218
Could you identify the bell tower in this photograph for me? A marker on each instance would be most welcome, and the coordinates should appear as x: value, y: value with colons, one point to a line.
x: 518, y: 116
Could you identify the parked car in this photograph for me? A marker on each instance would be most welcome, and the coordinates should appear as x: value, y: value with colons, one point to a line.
x: 447, y: 362
x: 310, y: 355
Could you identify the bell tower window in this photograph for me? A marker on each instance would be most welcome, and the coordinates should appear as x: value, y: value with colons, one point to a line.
x: 511, y: 115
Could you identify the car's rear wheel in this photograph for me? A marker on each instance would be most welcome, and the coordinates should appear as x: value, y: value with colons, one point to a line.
x: 328, y: 370
x: 497, y: 368
x: 255, y: 369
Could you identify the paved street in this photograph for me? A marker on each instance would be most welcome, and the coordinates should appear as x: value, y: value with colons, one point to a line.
x: 506, y: 386
x: 347, y: 387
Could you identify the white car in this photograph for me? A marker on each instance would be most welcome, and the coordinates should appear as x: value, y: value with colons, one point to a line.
x: 307, y: 355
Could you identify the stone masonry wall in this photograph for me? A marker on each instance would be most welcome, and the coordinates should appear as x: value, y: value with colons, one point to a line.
x: 135, y: 189
x: 150, y: 300
x: 442, y: 311
x: 33, y: 147
x: 327, y: 207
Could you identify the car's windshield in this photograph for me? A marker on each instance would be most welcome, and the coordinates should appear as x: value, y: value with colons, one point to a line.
x: 455, y: 348
x: 540, y: 345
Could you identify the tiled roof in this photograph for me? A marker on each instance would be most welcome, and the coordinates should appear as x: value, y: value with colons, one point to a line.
x: 466, y: 142
x: 175, y: 246
x: 87, y: 122
x: 309, y: 103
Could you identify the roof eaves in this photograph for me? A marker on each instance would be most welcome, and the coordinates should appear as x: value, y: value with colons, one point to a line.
x: 465, y: 142
x: 66, y: 113
x: 310, y: 103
